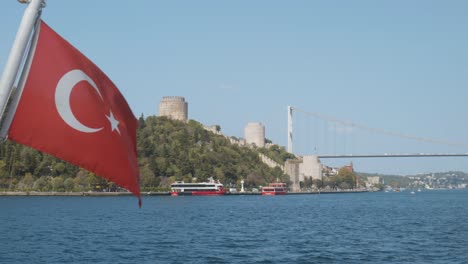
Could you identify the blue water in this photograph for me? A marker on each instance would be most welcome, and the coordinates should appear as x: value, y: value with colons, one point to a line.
x: 427, y: 227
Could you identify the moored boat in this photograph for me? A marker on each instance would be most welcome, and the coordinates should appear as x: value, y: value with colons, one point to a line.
x: 201, y: 188
x: 277, y: 188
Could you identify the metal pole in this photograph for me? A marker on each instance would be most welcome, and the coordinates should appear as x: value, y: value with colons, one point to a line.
x: 13, y: 63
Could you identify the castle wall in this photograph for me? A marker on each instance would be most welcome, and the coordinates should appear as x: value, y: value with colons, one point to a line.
x: 291, y: 168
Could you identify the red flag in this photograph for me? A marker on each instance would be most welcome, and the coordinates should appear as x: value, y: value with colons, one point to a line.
x: 69, y: 108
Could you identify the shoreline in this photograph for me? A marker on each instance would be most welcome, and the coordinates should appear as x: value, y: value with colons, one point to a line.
x: 112, y: 194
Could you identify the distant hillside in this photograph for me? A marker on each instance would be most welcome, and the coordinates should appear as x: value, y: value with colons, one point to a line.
x: 445, y: 178
x: 168, y: 150
x: 393, y: 180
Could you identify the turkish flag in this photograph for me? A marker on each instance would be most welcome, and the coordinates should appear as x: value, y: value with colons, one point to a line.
x: 70, y: 109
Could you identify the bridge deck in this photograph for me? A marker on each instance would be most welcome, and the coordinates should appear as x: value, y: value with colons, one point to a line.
x: 414, y: 155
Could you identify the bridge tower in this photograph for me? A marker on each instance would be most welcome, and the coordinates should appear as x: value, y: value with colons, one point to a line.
x: 290, y: 132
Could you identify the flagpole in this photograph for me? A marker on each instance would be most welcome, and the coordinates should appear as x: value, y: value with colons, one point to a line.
x: 15, y: 58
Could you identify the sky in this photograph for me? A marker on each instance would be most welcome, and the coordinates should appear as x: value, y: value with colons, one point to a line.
x: 400, y: 66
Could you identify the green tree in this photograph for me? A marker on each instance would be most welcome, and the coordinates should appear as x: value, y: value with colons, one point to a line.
x: 42, y: 184
x: 96, y: 183
x: 26, y: 183
x: 346, y: 179
x: 58, y: 184
x: 69, y: 184
x: 58, y: 168
x: 148, y: 180
x: 318, y: 183
x: 308, y: 182
x: 81, y: 182
x: 3, y: 175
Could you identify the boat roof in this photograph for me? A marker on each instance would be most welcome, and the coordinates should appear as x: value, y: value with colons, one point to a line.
x: 196, y: 183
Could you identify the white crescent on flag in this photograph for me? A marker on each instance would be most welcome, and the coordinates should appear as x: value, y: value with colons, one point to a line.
x: 62, y: 99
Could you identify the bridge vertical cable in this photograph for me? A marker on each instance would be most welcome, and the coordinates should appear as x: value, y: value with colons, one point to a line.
x: 338, y: 133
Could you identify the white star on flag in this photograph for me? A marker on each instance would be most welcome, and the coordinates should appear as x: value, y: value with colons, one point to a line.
x: 114, y: 122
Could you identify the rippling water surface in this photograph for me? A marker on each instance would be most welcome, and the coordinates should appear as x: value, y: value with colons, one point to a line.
x: 427, y: 227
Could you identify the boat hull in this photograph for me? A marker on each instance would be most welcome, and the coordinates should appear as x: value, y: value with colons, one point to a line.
x: 199, y: 193
x: 274, y: 193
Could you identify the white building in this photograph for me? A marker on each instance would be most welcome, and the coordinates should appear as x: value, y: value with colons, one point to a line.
x: 374, y: 180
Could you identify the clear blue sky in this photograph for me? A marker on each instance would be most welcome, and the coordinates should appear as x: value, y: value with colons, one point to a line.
x: 395, y: 65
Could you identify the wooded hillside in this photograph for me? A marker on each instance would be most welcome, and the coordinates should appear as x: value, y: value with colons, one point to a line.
x: 168, y: 150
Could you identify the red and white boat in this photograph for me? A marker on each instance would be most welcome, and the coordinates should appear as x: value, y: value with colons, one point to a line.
x: 277, y: 188
x: 201, y: 188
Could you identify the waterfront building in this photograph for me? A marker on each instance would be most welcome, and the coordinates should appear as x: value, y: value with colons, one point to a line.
x: 373, y: 180
x: 349, y: 167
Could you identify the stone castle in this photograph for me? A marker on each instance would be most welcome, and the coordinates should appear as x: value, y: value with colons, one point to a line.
x: 175, y: 107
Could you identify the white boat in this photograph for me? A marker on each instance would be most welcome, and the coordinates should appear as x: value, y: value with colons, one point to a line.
x: 202, y: 188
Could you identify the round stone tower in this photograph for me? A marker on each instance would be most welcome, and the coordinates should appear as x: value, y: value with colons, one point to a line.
x: 254, y: 133
x: 174, y: 107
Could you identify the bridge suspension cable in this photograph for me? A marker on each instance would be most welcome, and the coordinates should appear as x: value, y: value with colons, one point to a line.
x: 380, y: 131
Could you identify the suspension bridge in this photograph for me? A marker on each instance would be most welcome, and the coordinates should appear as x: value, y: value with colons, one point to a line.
x: 347, y: 126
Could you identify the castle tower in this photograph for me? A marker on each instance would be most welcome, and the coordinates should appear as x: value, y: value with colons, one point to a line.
x: 174, y: 107
x: 254, y: 133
